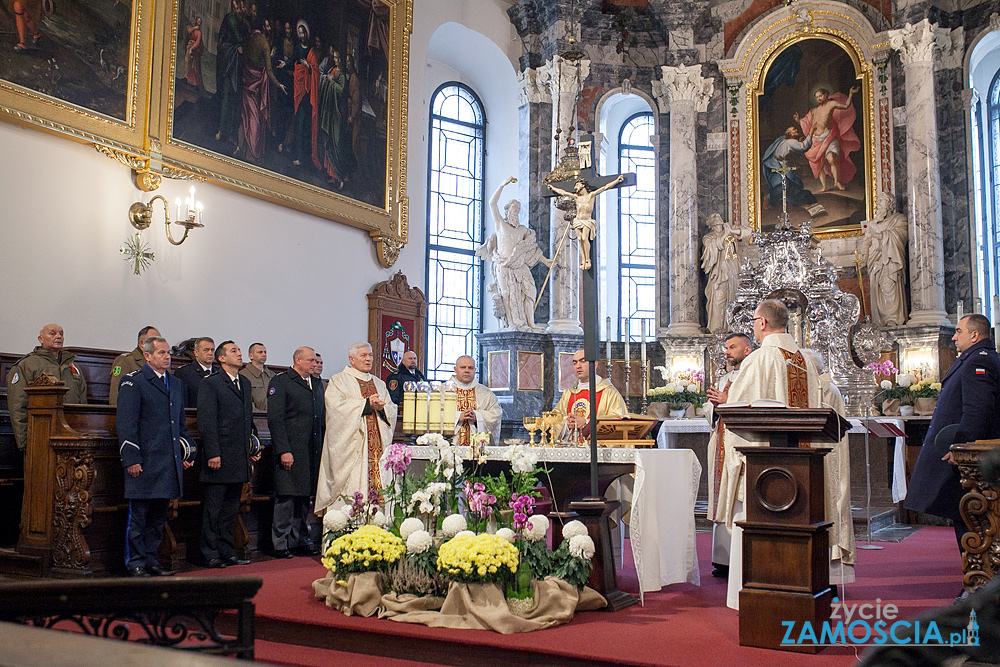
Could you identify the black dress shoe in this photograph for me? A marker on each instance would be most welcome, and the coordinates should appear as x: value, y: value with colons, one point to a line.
x: 215, y: 563
x: 138, y: 571
x: 721, y: 572
x: 282, y: 553
x: 305, y: 551
x: 236, y: 560
x: 158, y: 570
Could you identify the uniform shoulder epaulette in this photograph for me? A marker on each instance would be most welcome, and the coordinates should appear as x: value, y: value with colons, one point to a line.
x: 984, y: 353
x: 132, y: 373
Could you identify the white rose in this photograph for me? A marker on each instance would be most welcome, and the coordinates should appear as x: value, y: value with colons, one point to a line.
x: 692, y: 388
x: 507, y: 534
x: 465, y: 533
x: 334, y: 520
x: 453, y: 524
x: 885, y: 384
x: 538, y: 526
x: 410, y: 526
x: 418, y: 542
x: 572, y: 529
x: 379, y: 519
x: 581, y: 546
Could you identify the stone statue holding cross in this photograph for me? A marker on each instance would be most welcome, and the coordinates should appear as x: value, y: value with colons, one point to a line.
x: 583, y: 222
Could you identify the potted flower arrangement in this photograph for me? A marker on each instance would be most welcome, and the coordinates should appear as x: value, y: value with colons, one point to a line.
x: 681, y: 394
x: 892, y: 395
x: 925, y: 394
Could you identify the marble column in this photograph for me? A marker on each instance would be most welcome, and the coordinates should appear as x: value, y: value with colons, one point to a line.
x: 687, y: 92
x: 564, y: 79
x: 916, y: 44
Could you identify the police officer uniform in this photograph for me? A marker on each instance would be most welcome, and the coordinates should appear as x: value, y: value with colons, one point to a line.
x: 394, y: 383
x: 296, y: 417
x: 122, y: 366
x: 191, y: 375
x: 225, y: 422
x: 26, y: 370
x: 259, y: 380
x: 150, y: 423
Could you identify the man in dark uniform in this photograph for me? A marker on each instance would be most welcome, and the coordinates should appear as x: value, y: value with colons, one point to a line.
x: 970, y: 397
x: 128, y: 362
x: 317, y: 373
x: 296, y: 418
x: 225, y: 421
x: 192, y: 374
x: 150, y: 424
x: 407, y: 371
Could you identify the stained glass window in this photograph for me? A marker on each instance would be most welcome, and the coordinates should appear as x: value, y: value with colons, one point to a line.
x: 637, y: 228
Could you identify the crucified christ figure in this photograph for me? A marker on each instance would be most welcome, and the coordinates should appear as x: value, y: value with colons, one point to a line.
x: 583, y: 222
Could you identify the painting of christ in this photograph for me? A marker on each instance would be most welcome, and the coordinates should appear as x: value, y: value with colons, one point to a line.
x: 811, y: 119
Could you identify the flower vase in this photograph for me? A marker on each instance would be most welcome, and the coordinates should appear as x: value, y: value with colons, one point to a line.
x: 677, y: 413
x: 924, y: 406
x: 491, y: 526
x: 659, y: 410
x: 890, y: 407
x: 520, y: 593
x: 906, y: 411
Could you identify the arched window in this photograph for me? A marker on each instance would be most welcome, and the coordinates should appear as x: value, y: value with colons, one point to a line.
x: 637, y: 228
x: 454, y: 227
x: 990, y: 241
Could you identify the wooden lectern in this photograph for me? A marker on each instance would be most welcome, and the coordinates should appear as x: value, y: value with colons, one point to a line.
x: 786, y: 553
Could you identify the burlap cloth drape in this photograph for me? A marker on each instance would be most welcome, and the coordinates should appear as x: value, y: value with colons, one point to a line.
x: 467, y: 606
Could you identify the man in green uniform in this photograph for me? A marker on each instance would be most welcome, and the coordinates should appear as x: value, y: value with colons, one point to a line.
x: 127, y: 362
x: 49, y: 358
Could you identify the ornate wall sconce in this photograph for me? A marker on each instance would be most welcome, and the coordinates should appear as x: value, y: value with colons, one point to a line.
x: 141, y: 215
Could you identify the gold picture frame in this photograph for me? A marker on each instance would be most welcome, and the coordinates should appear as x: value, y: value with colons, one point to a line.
x: 89, y: 85
x: 183, y: 139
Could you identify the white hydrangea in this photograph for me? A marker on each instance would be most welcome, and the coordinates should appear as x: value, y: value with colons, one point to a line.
x: 418, y: 542
x: 522, y: 458
x: 572, y: 529
x: 507, y: 534
x: 334, y: 520
x: 410, y: 526
x: 379, y: 519
x: 465, y: 533
x: 538, y: 526
x: 886, y: 384
x: 906, y: 379
x: 670, y: 388
x: 692, y: 388
x: 453, y: 524
x: 581, y: 546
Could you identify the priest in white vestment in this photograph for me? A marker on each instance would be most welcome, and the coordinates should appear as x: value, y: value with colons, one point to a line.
x: 837, y: 478
x: 738, y: 346
x: 360, y: 418
x: 575, y: 402
x: 776, y: 370
x: 476, y: 407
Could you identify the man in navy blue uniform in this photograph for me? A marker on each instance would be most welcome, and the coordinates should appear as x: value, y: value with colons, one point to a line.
x: 192, y: 374
x: 150, y: 424
x: 970, y: 397
x: 225, y: 422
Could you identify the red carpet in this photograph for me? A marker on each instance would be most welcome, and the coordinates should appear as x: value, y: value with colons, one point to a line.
x: 680, y: 625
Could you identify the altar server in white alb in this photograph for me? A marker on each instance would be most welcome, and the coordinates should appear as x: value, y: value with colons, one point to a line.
x: 738, y: 346
x: 777, y: 371
x: 360, y: 418
x: 476, y: 407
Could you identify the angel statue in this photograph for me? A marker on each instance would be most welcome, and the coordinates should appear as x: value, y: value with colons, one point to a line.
x: 512, y: 250
x: 721, y: 264
x: 884, y: 246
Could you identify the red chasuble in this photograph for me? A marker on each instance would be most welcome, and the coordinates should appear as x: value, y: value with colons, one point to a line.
x: 374, y: 437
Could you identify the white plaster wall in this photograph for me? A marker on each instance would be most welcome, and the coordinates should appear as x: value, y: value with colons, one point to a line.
x: 257, y: 271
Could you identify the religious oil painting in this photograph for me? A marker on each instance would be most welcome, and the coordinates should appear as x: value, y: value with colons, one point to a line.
x: 72, y: 68
x: 811, y: 143
x: 296, y: 101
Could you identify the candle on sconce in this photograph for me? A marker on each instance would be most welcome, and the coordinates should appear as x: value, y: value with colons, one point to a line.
x: 959, y: 311
x: 978, y: 303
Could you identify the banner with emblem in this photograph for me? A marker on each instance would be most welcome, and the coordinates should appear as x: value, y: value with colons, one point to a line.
x: 395, y: 339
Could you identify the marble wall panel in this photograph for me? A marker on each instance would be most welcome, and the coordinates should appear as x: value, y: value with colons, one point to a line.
x: 529, y: 371
x: 498, y: 369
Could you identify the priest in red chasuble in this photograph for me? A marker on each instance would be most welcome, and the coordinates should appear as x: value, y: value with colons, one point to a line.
x: 776, y: 370
x: 476, y: 407
x: 360, y: 418
x: 575, y: 402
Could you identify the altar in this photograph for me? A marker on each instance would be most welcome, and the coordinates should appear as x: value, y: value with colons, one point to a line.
x: 664, y: 492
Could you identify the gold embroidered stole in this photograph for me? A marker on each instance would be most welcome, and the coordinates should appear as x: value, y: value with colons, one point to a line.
x: 798, y: 382
x: 465, y: 399
x: 374, y: 437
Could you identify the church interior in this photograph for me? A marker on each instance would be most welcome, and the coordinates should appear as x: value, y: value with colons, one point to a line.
x: 840, y: 156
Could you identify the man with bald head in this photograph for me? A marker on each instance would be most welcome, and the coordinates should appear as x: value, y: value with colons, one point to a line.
x: 48, y: 357
x: 476, y: 407
x: 295, y: 417
x: 407, y: 371
x: 576, y: 404
x: 360, y: 418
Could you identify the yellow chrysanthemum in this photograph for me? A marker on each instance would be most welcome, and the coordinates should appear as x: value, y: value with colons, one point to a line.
x: 369, y: 547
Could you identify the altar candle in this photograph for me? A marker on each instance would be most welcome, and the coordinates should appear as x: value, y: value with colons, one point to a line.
x: 642, y: 346
x: 996, y: 318
x: 608, y: 355
x: 628, y: 334
x: 979, y: 305
x: 959, y: 311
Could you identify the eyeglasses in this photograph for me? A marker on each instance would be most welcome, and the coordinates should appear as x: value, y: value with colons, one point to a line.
x: 757, y: 318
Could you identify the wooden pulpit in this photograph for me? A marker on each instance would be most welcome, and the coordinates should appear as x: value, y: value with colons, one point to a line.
x: 786, y: 553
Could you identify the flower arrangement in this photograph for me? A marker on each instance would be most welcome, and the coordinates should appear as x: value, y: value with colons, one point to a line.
x: 477, y: 447
x: 369, y: 548
x: 478, y: 558
x: 480, y: 504
x: 676, y: 394
x: 926, y: 388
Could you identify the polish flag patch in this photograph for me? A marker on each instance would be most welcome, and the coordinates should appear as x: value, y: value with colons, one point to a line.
x: 980, y: 371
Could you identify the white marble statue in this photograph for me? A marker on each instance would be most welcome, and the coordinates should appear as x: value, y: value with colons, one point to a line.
x: 884, y: 247
x: 721, y: 264
x: 512, y: 250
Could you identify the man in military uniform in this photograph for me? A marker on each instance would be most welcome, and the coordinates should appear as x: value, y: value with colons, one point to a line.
x: 192, y: 374
x: 318, y: 370
x: 296, y: 418
x: 407, y: 371
x: 128, y: 362
x: 49, y: 358
x: 259, y: 375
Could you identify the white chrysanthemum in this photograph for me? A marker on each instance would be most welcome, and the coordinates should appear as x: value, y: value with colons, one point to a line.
x: 692, y: 388
x: 418, y: 542
x: 572, y: 529
x: 410, y: 526
x: 581, y: 546
x: 905, y: 380
x: 453, y: 524
x: 537, y: 527
x: 334, y: 520
x: 379, y: 519
x: 885, y: 384
x: 507, y: 534
x: 465, y: 533
x: 670, y: 388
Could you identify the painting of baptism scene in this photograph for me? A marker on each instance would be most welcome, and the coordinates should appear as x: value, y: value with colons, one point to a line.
x: 296, y: 88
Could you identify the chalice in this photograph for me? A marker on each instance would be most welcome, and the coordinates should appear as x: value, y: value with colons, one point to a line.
x: 531, y: 424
